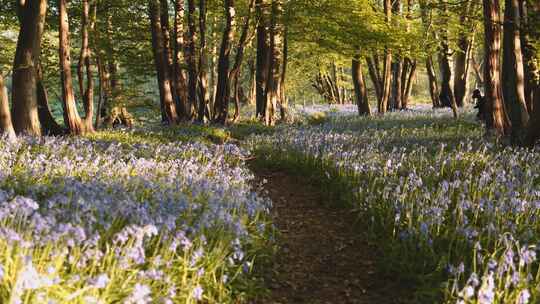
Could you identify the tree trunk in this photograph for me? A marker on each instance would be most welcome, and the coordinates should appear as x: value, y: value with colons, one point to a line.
x: 513, y: 70
x: 263, y: 57
x: 25, y: 103
x: 397, y: 87
x: 528, y: 53
x: 253, y: 83
x: 72, y: 119
x: 284, y: 109
x: 387, y: 77
x: 49, y: 126
x: 274, y: 71
x: 179, y: 76
x: 235, y: 71
x: 85, y: 64
x: 408, y: 85
x: 461, y: 64
x: 534, y: 125
x: 161, y: 62
x: 446, y: 78
x: 191, y: 60
x: 444, y: 62
x: 360, y: 90
x: 221, y: 107
x: 204, y: 95
x: 6, y: 126
x: 375, y: 78
x: 433, y: 83
x: 497, y: 119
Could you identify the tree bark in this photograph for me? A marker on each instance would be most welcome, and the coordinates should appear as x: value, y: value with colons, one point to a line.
x: 25, y: 103
x: 528, y: 53
x: 87, y: 92
x: 444, y: 57
x: 387, y: 76
x: 204, y: 96
x: 161, y: 62
x: 263, y: 57
x: 433, y: 83
x: 397, y: 87
x: 375, y: 77
x: 72, y: 119
x: 221, y: 106
x: 6, y: 126
x: 497, y: 119
x: 513, y: 70
x: 284, y: 109
x: 360, y: 90
x: 181, y: 86
x: 191, y: 60
x: 408, y: 85
x: 274, y: 70
x: 49, y: 126
x: 461, y: 64
x: 235, y: 71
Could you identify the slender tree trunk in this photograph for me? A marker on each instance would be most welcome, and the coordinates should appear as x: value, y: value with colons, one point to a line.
x: 478, y: 72
x: 101, y: 92
x: 191, y: 60
x: 497, y: 119
x: 263, y: 57
x: 224, y: 84
x: 235, y: 71
x: 25, y: 103
x: 375, y: 78
x: 6, y: 126
x: 253, y: 83
x: 71, y: 116
x: 274, y: 70
x: 284, y: 109
x: 534, y: 124
x: 204, y: 95
x: 360, y: 90
x: 461, y: 63
x: 397, y: 87
x: 161, y: 62
x: 444, y: 62
x: 433, y: 83
x: 85, y: 64
x: 446, y: 78
x: 181, y: 86
x: 387, y: 77
x: 408, y: 85
x: 513, y: 71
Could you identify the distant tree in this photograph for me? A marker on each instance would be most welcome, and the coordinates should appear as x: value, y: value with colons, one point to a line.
x: 6, y: 127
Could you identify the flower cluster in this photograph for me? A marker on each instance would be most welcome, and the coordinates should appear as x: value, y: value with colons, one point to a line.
x: 437, y: 193
x: 86, y: 221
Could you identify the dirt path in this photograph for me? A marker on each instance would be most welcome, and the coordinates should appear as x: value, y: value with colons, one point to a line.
x: 322, y: 257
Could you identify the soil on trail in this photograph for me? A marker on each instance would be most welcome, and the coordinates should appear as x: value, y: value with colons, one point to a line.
x: 323, y: 257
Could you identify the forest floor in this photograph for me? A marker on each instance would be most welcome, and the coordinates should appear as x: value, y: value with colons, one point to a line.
x: 323, y: 256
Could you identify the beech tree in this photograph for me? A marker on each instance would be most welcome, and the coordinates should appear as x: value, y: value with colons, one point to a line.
x: 497, y: 119
x: 161, y: 56
x: 223, y: 85
x: 513, y: 77
x: 25, y: 95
